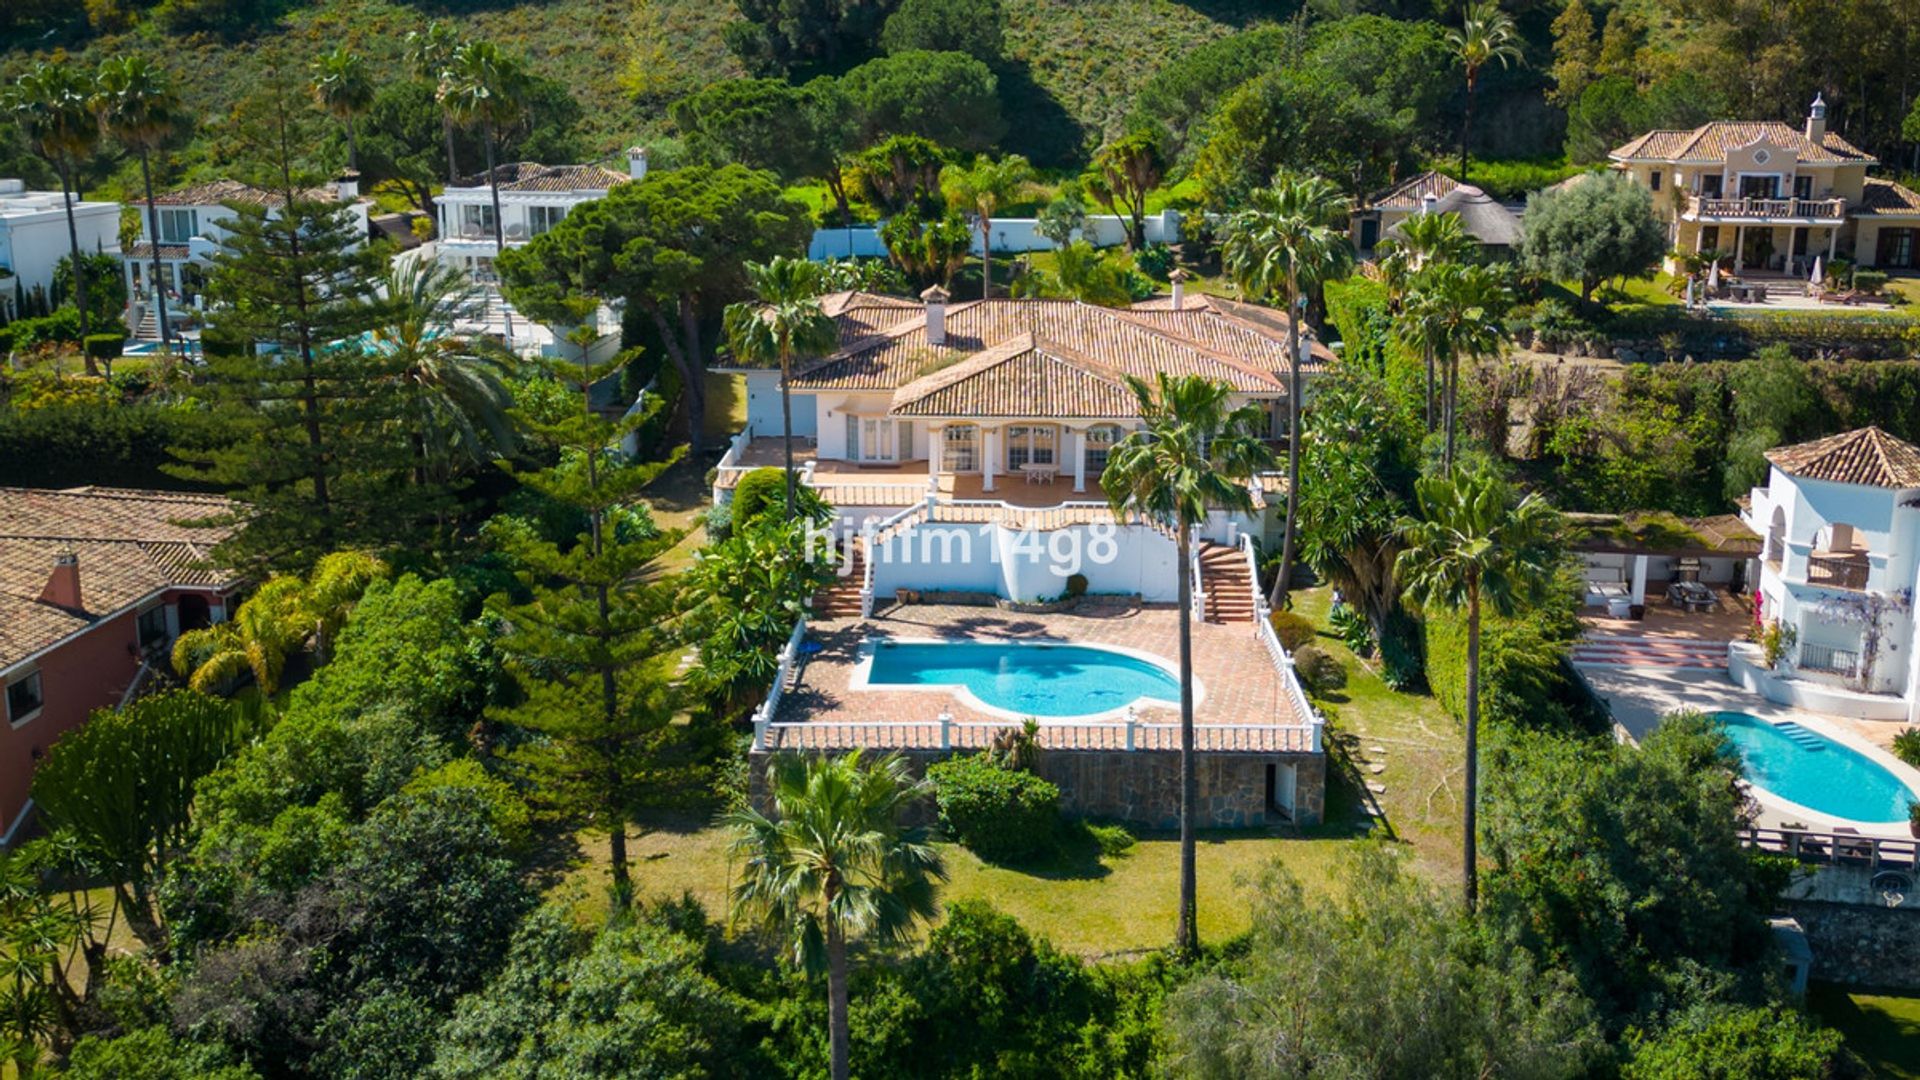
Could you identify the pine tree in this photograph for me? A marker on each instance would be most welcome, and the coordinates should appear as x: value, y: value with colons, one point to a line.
x: 1576, y: 53
x: 303, y: 450
x: 591, y: 650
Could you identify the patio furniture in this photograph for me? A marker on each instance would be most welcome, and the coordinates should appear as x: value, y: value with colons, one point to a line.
x: 1619, y: 607
x: 1691, y: 596
x: 1038, y: 473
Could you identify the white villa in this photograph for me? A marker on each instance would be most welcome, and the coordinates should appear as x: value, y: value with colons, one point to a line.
x: 192, y: 227
x: 33, y: 238
x: 1494, y: 226
x: 533, y: 199
x: 961, y: 446
x: 1774, y: 196
x: 1841, y: 519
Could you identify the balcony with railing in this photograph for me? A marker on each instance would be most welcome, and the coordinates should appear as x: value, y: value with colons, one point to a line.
x: 1836, y: 570
x: 1709, y: 208
x: 1828, y: 660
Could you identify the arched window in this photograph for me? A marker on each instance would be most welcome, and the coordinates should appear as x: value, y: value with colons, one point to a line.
x: 1777, y: 536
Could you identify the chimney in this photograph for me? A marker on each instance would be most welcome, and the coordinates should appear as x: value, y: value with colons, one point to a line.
x: 1817, y: 121
x: 637, y: 163
x: 936, y: 298
x: 63, y: 585
x: 1428, y: 201
x: 1179, y: 279
x: 347, y: 187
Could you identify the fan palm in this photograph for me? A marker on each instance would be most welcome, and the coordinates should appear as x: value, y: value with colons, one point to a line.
x: 333, y: 587
x: 983, y: 188
x: 1473, y: 549
x: 1485, y: 35
x: 141, y: 112
x: 1193, y: 452
x: 1455, y: 311
x: 1290, y: 240
x: 429, y: 52
x: 457, y: 398
x: 1424, y: 240
x: 270, y: 624
x: 482, y: 85
x: 833, y: 863
x: 344, y: 89
x: 785, y: 322
x: 53, y: 104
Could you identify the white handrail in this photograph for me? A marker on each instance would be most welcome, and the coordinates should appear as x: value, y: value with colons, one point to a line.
x: 763, y: 716
x: 1193, y: 572
x: 946, y: 733
x: 1282, y: 662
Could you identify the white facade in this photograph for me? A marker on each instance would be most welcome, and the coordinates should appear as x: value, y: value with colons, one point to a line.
x: 1010, y: 236
x: 528, y: 208
x: 1840, y: 569
x: 33, y: 237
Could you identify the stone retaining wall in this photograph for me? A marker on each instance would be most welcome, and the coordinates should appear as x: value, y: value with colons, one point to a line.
x: 1858, y: 945
x: 1142, y: 787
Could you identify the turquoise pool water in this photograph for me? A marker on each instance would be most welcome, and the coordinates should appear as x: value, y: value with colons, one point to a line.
x: 1808, y: 768
x: 1031, y: 679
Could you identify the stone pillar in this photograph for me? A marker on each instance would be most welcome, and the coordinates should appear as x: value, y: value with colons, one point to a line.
x: 1793, y: 233
x: 1739, y: 248
x: 1833, y: 240
x: 1079, y: 459
x: 989, y: 456
x: 1639, y: 579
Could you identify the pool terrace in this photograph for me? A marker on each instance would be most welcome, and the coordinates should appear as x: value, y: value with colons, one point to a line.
x: 1248, y: 706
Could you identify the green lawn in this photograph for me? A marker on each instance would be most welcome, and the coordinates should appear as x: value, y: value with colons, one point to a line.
x: 1883, y: 1029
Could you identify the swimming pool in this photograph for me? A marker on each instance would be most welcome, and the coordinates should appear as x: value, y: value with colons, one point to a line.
x: 1034, y: 679
x: 1809, y: 769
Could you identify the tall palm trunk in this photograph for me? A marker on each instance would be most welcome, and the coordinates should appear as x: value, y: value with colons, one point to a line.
x: 786, y: 428
x: 1428, y: 350
x: 837, y: 1031
x: 446, y: 132
x: 499, y: 226
x: 353, y: 147
x: 79, y: 270
x: 1452, y: 395
x: 153, y: 234
x: 1470, y: 856
x: 1187, y: 933
x: 1284, y: 583
x: 986, y: 257
x: 1466, y: 123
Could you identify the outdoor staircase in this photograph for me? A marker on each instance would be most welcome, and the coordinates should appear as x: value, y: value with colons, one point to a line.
x: 1662, y: 652
x: 841, y: 600
x: 149, y: 328
x: 1223, y: 576
x: 1801, y: 737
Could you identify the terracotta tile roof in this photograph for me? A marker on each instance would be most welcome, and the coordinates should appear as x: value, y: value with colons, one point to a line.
x: 129, y: 544
x: 1710, y: 142
x: 1410, y: 193
x: 1022, y: 377
x: 1234, y: 327
x: 1886, y: 197
x: 223, y: 192
x: 144, y: 250
x: 533, y: 176
x: 858, y: 316
x: 1484, y: 219
x: 1866, y: 456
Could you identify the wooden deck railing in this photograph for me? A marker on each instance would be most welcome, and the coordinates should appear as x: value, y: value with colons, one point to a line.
x: 1836, y: 849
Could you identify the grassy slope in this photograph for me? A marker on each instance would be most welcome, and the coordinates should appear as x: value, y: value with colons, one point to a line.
x: 1074, y: 65
x: 1883, y: 1029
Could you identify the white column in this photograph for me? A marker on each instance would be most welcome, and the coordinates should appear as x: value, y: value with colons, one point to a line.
x: 1739, y: 248
x: 1833, y: 239
x: 1640, y: 579
x: 989, y: 456
x: 1079, y: 459
x: 1792, y: 235
x: 936, y: 448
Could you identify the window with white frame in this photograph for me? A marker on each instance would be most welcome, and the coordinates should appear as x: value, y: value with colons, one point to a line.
x: 476, y: 220
x: 960, y: 446
x: 871, y: 438
x: 1031, y: 444
x: 24, y: 698
x: 1100, y: 440
x: 176, y: 226
x: 542, y: 218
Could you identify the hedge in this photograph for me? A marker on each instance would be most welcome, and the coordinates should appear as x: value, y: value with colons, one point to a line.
x: 74, y: 445
x: 1524, y: 673
x: 105, y: 346
x: 998, y: 813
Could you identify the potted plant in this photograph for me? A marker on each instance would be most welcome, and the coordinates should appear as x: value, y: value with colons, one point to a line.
x: 1913, y: 819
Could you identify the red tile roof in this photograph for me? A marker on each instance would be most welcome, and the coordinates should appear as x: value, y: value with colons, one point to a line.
x: 1411, y: 193
x: 224, y: 192
x: 1884, y: 197
x: 533, y: 176
x: 1866, y: 456
x: 1710, y: 142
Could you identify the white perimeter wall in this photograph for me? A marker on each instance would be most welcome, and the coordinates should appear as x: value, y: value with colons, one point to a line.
x: 1011, y: 235
x: 1027, y: 566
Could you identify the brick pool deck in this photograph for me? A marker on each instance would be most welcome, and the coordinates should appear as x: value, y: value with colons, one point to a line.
x: 1244, y: 702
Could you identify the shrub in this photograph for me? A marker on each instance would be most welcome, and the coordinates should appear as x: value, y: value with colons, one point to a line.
x: 104, y: 346
x: 998, y: 813
x: 1906, y: 747
x: 62, y: 325
x: 6, y: 339
x: 1352, y: 627
x: 764, y: 490
x: 1114, y: 840
x: 1318, y: 669
x: 1076, y: 585
x: 1293, y: 629
x: 1870, y: 281
x: 1155, y: 261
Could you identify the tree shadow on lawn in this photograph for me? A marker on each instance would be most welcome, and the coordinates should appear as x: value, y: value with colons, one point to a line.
x: 1073, y: 855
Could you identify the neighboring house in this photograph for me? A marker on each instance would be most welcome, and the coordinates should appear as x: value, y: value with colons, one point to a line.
x: 193, y: 223
x: 1774, y: 197
x: 95, y: 583
x: 1378, y: 217
x: 33, y: 239
x: 1841, y: 522
x: 961, y: 446
x: 533, y: 199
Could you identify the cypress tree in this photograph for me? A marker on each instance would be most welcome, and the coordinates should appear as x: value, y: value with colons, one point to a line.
x: 593, y: 649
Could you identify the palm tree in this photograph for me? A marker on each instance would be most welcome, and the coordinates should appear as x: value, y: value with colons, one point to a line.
x: 455, y: 385
x: 1289, y: 241
x: 1424, y: 240
x: 1193, y: 452
x: 342, y: 87
x: 834, y: 863
x: 429, y: 52
x: 272, y: 623
x: 784, y: 322
x: 1473, y: 549
x: 485, y: 86
x: 141, y: 112
x: 332, y: 589
x: 53, y: 104
x: 984, y: 187
x: 1486, y: 34
x: 1456, y: 311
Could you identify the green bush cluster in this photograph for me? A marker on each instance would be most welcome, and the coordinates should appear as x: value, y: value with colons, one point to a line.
x: 1000, y: 814
x: 1293, y: 629
x: 105, y: 346
x: 1318, y: 669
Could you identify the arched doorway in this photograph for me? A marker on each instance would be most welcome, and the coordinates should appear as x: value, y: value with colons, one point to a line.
x: 1777, y: 536
x: 195, y: 614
